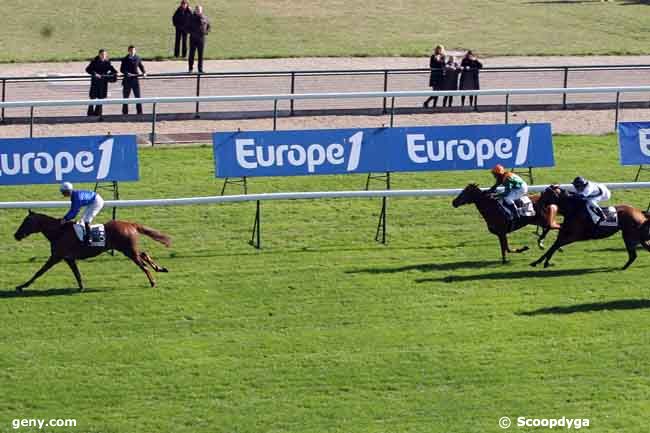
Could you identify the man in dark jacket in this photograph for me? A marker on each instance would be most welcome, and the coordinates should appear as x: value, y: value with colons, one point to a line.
x: 199, y: 28
x: 129, y: 68
x: 181, y: 21
x: 101, y: 73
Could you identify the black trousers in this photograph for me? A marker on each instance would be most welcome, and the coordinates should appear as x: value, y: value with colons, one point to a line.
x: 196, y: 46
x: 98, y: 90
x: 181, y: 40
x: 128, y: 85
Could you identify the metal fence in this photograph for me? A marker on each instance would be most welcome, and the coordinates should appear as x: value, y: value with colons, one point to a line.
x: 322, y: 81
x: 276, y: 99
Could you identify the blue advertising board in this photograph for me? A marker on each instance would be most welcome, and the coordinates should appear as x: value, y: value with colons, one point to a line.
x: 366, y: 150
x: 25, y: 161
x: 634, y: 142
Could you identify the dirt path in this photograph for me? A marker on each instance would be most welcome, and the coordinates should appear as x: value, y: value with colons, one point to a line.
x: 574, y: 122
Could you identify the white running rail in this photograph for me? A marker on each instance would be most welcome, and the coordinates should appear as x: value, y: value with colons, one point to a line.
x: 287, y: 196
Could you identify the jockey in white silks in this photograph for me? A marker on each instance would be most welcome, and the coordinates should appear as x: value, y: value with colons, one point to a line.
x: 591, y: 193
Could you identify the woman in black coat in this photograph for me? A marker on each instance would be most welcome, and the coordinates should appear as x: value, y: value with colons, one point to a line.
x: 436, y: 64
x: 450, y: 80
x: 469, y: 77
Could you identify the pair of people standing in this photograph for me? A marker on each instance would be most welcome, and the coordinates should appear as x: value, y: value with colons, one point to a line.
x: 444, y: 76
x: 196, y: 25
x: 102, y: 72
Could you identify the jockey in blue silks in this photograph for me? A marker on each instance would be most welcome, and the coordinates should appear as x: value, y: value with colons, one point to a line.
x: 92, y: 201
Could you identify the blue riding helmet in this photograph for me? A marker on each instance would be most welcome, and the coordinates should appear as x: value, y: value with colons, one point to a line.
x: 579, y: 183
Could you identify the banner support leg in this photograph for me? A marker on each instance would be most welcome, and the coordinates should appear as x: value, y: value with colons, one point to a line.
x: 381, y: 225
x: 241, y: 181
x: 256, y: 239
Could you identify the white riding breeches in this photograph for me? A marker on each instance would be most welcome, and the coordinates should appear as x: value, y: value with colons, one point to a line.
x: 515, y: 194
x: 606, y: 195
x: 92, y: 210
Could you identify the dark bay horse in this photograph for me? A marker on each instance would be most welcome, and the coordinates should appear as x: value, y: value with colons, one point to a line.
x: 496, y: 221
x: 64, y: 244
x: 578, y: 226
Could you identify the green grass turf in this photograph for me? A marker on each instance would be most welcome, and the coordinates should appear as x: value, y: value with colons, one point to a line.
x: 324, y: 330
x: 42, y: 31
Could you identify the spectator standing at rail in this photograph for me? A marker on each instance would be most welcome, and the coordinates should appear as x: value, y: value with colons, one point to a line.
x: 450, y: 80
x: 470, y: 66
x: 130, y: 68
x: 199, y: 28
x: 436, y: 64
x: 101, y: 73
x: 181, y: 21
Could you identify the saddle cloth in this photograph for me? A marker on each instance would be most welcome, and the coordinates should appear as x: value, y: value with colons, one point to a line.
x: 97, y: 234
x: 611, y: 217
x: 525, y: 207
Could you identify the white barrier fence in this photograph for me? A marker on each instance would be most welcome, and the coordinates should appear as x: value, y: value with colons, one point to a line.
x: 392, y: 95
x: 187, y: 201
x: 337, y: 95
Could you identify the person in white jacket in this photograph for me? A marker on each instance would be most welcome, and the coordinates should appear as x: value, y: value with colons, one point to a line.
x: 592, y: 193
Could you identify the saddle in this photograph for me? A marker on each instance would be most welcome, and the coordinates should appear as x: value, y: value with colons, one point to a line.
x: 97, y: 234
x: 525, y: 207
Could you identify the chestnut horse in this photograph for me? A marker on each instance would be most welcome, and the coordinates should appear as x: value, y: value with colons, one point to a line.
x: 578, y: 226
x: 64, y: 244
x: 496, y: 221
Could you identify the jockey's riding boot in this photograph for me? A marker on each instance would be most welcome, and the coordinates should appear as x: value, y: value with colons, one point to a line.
x: 601, y: 215
x: 513, y: 211
x: 87, y: 235
x: 506, y: 211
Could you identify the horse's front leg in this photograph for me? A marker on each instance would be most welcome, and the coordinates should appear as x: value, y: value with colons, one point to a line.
x: 518, y: 250
x: 541, y: 237
x: 546, y: 257
x: 503, y: 242
x: 75, y: 271
x: 550, y: 215
x: 50, y: 262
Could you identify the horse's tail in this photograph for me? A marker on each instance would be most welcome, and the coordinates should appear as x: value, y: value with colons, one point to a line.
x: 154, y: 234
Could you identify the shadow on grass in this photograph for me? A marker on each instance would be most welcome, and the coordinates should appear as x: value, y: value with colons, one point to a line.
x: 504, y: 275
x: 621, y: 304
x: 426, y: 267
x: 11, y: 293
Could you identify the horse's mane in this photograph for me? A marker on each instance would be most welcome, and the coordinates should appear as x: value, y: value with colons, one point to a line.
x: 41, y: 216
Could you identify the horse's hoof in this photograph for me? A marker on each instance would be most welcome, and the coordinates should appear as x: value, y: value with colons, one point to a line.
x: 547, y: 264
x: 524, y: 249
x: 164, y: 270
x: 19, y: 289
x: 533, y: 264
